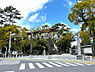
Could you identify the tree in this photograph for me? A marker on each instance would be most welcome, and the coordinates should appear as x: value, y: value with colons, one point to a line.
x: 83, y: 13
x: 85, y: 37
x: 9, y: 14
x: 45, y: 27
x: 3, y: 40
x: 61, y: 28
x: 64, y: 42
x: 16, y: 40
x: 39, y: 45
x: 24, y: 42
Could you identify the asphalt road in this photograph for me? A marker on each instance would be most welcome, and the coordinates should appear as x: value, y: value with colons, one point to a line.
x: 44, y: 66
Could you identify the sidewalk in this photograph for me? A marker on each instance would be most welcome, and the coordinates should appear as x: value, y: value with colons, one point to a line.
x: 51, y: 58
x: 45, y: 59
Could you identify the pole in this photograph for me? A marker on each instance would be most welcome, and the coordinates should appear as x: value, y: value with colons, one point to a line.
x: 31, y: 44
x: 78, y: 43
x: 9, y: 44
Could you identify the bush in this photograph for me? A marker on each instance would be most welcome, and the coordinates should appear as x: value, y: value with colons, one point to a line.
x: 53, y: 52
x: 35, y: 52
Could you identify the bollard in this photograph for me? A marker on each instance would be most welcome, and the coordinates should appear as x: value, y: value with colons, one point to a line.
x: 13, y: 56
x: 19, y: 56
x: 82, y: 57
x: 22, y: 56
x: 16, y: 55
x: 90, y: 57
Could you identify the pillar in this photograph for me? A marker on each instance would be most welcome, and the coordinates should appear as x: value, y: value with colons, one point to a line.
x: 78, y: 44
x: 49, y: 46
x: 31, y: 43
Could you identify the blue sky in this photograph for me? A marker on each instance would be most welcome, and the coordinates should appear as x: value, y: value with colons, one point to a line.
x: 39, y: 12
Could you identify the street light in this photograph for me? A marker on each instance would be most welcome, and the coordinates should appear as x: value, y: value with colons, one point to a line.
x: 10, y: 43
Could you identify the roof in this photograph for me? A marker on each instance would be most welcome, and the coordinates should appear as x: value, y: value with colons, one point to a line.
x: 42, y: 31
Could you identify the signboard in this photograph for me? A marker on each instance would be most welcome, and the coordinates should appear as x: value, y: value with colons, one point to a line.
x: 91, y: 40
x: 87, y: 50
x: 14, y: 52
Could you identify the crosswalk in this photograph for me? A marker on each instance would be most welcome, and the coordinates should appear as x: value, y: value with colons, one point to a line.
x: 42, y: 65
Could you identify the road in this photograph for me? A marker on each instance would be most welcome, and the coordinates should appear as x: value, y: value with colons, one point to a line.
x: 44, y: 66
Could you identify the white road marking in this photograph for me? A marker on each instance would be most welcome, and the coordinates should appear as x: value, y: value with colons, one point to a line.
x: 62, y: 64
x: 39, y: 65
x: 22, y: 66
x: 48, y: 65
x: 88, y: 64
x: 31, y: 66
x: 8, y: 71
x: 79, y: 64
x: 70, y: 64
x: 55, y: 64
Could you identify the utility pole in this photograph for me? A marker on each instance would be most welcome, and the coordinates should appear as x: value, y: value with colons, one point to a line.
x: 9, y: 45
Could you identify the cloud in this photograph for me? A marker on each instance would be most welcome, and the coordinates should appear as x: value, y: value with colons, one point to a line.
x: 75, y: 29
x: 64, y: 4
x: 33, y: 17
x: 37, y: 18
x: 69, y: 2
x: 26, y: 26
x: 24, y: 6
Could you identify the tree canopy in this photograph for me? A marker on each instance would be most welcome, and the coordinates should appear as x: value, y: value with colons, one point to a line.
x: 83, y: 13
x: 9, y: 14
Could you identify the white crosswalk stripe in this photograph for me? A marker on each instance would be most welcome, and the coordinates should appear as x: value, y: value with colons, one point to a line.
x: 39, y: 65
x: 31, y: 66
x: 70, y: 64
x: 62, y: 64
x: 55, y: 64
x: 79, y: 64
x: 48, y: 65
x: 22, y: 66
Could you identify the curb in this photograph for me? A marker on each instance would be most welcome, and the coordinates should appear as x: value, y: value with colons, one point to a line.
x: 85, y: 62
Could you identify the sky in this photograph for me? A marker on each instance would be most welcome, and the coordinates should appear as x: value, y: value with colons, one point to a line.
x: 39, y: 12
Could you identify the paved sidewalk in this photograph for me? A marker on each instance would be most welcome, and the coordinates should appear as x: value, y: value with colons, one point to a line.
x: 45, y: 59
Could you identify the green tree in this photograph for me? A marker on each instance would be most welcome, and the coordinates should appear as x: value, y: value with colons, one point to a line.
x: 85, y: 37
x: 61, y: 28
x: 39, y: 45
x: 83, y: 13
x: 9, y: 14
x: 64, y: 42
